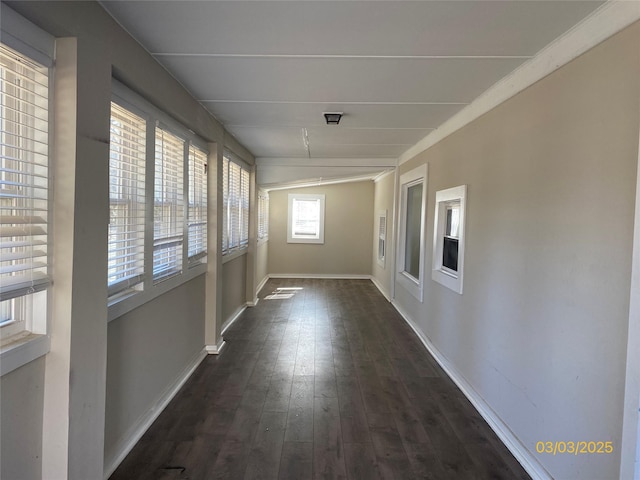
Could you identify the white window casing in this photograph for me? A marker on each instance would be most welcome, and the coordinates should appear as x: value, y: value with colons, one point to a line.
x: 235, y: 198
x: 197, y: 208
x: 168, y: 216
x: 382, y: 237
x: 26, y: 58
x: 127, y: 165
x: 24, y: 189
x: 305, y: 220
x: 263, y: 216
x: 449, y: 237
x: 412, y: 231
x: 169, y: 191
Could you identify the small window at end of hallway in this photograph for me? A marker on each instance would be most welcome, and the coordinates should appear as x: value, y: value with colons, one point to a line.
x: 306, y: 218
x: 411, y: 231
x: 382, y: 237
x: 448, y: 241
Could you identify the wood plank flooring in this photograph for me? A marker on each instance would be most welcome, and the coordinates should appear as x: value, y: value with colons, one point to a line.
x: 327, y: 384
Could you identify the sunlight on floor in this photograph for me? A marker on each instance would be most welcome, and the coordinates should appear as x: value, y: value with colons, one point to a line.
x: 283, y: 293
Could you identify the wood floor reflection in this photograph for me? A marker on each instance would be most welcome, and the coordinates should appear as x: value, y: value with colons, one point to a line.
x: 322, y: 382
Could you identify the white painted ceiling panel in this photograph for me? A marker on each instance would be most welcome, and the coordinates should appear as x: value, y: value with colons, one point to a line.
x: 267, y: 141
x: 349, y: 27
x: 368, y: 115
x: 339, y: 79
x: 397, y: 69
x: 331, y: 134
x: 275, y: 175
x: 358, y: 151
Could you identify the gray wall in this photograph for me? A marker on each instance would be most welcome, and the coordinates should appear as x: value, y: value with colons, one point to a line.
x: 348, y: 228
x: 540, y: 332
x: 147, y: 351
x: 21, y: 400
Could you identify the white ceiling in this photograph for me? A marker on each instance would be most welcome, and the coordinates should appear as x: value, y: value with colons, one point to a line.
x: 397, y: 69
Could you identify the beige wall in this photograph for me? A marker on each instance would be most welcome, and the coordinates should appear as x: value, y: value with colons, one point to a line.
x: 262, y: 259
x: 540, y: 332
x: 147, y: 352
x: 21, y: 422
x: 234, y: 288
x: 348, y: 229
x: 384, y: 190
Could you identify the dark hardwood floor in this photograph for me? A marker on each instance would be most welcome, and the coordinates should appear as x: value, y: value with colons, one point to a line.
x: 330, y: 383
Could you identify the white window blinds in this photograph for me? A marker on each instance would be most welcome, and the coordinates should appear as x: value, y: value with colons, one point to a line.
x: 263, y: 215
x: 24, y: 177
x: 236, y: 185
x: 197, y: 213
x: 168, y: 218
x: 126, y: 200
x: 245, y: 178
x: 225, y: 205
x: 382, y: 237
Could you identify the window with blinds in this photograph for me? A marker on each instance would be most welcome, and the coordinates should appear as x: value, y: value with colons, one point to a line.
x: 225, y: 205
x: 263, y: 215
x: 305, y: 218
x: 382, y: 237
x: 168, y: 216
x: 127, y: 159
x: 197, y: 211
x: 245, y: 178
x: 235, y: 230
x: 24, y: 187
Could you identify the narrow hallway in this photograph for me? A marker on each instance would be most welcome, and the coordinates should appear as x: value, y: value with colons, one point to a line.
x: 323, y: 381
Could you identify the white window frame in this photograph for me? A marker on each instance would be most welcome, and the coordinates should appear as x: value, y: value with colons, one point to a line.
x: 319, y: 237
x: 235, y: 209
x: 382, y: 238
x: 28, y: 338
x: 130, y: 299
x: 263, y: 216
x: 197, y: 206
x: 413, y: 285
x: 171, y: 233
x: 441, y: 274
x: 136, y: 282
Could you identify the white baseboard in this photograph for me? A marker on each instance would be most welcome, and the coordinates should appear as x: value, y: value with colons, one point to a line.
x: 217, y: 348
x: 338, y: 276
x: 379, y: 286
x: 253, y: 303
x: 529, y: 462
x: 236, y: 315
x: 143, y: 423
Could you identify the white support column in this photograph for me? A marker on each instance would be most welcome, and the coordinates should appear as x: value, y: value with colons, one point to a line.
x: 213, y: 308
x: 75, y: 380
x: 629, y: 449
x: 252, y: 294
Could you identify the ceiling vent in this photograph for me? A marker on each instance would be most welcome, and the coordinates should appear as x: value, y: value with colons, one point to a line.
x: 333, y: 118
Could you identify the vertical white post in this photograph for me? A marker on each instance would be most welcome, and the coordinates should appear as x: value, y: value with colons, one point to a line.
x: 630, y: 448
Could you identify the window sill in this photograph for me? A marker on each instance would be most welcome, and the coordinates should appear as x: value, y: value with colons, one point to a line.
x: 447, y: 279
x: 410, y: 284
x: 124, y: 304
x: 262, y: 241
x: 234, y: 254
x: 22, y: 350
